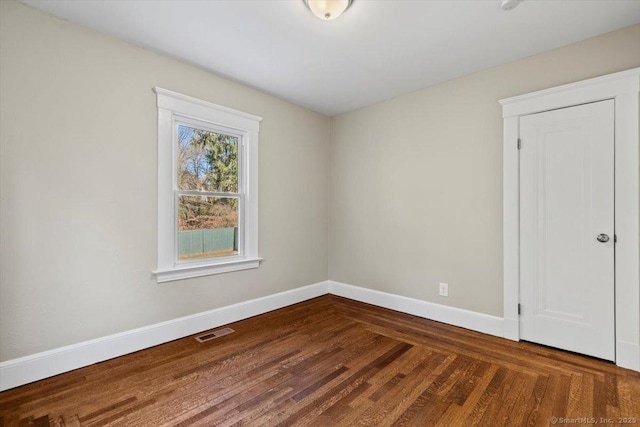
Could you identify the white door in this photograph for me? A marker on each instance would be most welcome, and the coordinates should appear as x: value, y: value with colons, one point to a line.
x: 566, y: 217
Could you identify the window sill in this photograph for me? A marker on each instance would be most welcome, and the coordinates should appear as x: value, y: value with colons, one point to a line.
x: 187, y: 272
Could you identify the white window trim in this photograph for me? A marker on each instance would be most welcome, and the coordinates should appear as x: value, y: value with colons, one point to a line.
x: 172, y: 107
x: 624, y: 88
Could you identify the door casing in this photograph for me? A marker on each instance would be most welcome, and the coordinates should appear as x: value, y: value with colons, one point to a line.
x: 624, y: 89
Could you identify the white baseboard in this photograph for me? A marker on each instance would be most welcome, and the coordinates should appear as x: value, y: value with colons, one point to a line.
x: 628, y: 355
x: 480, y: 322
x: 511, y: 329
x: 24, y: 370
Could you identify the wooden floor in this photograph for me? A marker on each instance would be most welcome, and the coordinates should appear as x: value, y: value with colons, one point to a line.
x: 332, y: 362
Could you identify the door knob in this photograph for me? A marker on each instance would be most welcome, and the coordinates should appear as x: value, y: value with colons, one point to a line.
x: 602, y: 238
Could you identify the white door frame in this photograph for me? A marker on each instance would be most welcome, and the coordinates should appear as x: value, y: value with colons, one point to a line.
x: 624, y: 88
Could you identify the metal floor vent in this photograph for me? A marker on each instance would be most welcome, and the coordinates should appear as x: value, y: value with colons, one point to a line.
x: 215, y: 334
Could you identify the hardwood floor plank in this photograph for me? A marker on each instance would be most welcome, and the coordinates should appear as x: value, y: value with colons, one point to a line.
x: 611, y: 383
x: 388, y: 386
x: 499, y: 400
x: 587, y: 396
x: 137, y: 407
x: 107, y: 409
x: 353, y: 381
x: 456, y: 415
x: 411, y: 388
x: 468, y: 379
x: 336, y: 412
x: 512, y: 410
x: 531, y: 413
x: 548, y: 400
x: 628, y: 392
x: 486, y: 397
x: 331, y: 361
x: 399, y: 369
x: 318, y: 384
x: 562, y: 396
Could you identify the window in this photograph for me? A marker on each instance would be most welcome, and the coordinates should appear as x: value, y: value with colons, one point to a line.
x: 207, y: 188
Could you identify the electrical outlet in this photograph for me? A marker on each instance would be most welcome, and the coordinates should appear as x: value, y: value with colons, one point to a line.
x: 444, y: 290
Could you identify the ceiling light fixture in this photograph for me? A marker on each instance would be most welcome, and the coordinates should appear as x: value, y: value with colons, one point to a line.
x: 328, y: 9
x: 509, y: 4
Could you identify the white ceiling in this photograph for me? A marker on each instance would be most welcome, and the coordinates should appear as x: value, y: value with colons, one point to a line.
x: 377, y: 50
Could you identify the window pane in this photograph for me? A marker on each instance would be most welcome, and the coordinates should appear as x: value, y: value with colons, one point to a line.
x: 207, y: 161
x: 207, y: 227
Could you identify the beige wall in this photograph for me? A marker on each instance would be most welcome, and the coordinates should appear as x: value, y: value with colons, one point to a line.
x: 416, y: 181
x: 78, y: 187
